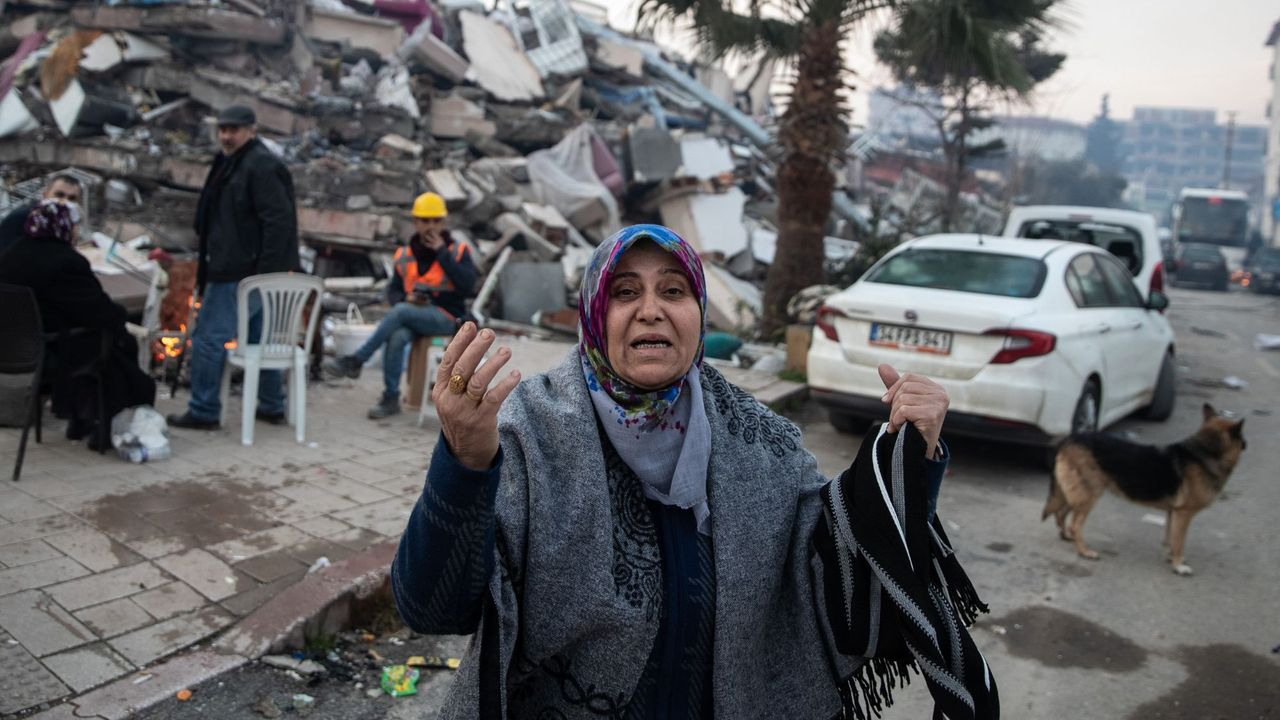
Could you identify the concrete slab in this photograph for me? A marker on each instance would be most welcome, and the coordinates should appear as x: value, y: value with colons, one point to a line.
x: 204, y: 572
x: 496, y: 60
x: 142, y: 647
x: 113, y: 618
x: 169, y: 600
x: 24, y: 553
x: 24, y: 681
x: 93, y: 549
x: 109, y: 585
x: 39, y: 574
x: 88, y: 667
x: 42, y: 627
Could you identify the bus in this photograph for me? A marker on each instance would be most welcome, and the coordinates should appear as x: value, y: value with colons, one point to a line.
x: 1214, y: 217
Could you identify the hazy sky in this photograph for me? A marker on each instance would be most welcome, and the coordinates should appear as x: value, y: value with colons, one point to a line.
x: 1187, y: 53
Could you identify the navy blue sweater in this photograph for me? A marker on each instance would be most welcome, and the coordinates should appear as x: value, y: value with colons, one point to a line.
x: 446, y: 557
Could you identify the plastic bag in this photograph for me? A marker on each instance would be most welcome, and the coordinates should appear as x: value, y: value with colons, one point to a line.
x: 400, y: 680
x: 140, y: 434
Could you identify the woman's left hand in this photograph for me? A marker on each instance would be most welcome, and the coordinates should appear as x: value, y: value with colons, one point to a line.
x: 917, y: 400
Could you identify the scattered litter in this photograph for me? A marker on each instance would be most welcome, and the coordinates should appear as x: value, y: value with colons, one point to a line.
x: 433, y: 661
x: 366, y: 637
x: 399, y: 680
x: 183, y: 695
x: 229, y: 580
x: 320, y: 563
x: 1261, y: 413
x: 303, y: 704
x: 373, y: 692
x: 396, y: 641
x: 999, y: 630
x: 142, y: 678
x: 1263, y: 341
x: 1235, y: 383
x: 1207, y: 332
x: 293, y: 674
x: 284, y: 662
x: 313, y: 445
x: 376, y: 656
x: 1152, y: 518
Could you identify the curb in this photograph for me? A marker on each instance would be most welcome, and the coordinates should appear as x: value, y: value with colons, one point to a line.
x: 319, y: 602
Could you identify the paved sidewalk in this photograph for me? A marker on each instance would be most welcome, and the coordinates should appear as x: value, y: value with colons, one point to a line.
x: 107, y: 567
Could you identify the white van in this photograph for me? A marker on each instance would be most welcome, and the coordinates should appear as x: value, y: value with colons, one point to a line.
x: 1129, y: 235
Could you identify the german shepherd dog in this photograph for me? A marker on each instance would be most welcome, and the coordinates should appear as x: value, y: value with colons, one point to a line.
x: 1182, y: 479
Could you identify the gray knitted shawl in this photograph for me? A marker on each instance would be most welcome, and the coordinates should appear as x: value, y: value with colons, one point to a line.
x: 574, y: 602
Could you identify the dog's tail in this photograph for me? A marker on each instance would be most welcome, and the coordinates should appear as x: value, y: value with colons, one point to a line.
x: 1057, y: 501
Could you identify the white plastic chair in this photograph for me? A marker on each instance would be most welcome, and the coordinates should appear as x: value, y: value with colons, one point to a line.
x: 286, y: 297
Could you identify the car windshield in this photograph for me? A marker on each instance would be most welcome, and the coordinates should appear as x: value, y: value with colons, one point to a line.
x: 1268, y: 256
x: 963, y: 270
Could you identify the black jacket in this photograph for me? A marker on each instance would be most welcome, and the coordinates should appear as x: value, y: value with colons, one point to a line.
x: 12, y: 225
x: 246, y: 220
x: 462, y: 273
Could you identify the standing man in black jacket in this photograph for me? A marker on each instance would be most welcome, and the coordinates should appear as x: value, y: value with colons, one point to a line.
x: 248, y: 225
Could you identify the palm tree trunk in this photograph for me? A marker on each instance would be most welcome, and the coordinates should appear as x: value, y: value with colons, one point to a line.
x: 812, y: 132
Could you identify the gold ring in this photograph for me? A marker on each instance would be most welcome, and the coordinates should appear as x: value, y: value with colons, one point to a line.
x: 478, y: 397
x: 457, y: 384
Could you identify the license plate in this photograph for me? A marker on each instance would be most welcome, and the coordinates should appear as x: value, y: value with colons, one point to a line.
x: 937, y: 342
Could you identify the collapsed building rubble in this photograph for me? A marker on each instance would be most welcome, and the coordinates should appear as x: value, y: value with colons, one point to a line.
x: 543, y: 130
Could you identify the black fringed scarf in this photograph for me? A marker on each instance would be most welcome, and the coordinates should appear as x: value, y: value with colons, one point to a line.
x: 895, y: 592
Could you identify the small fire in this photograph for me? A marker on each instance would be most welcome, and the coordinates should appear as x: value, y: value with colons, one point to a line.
x: 229, y: 345
x: 170, y: 345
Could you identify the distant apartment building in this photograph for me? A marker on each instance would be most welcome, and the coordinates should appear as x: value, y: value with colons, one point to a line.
x: 899, y: 114
x: 1271, y: 180
x: 1166, y: 149
x: 1032, y: 136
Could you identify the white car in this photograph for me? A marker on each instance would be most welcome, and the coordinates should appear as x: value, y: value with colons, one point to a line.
x: 1033, y: 340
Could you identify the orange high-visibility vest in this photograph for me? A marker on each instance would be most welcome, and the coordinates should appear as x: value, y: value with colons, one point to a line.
x: 434, y: 279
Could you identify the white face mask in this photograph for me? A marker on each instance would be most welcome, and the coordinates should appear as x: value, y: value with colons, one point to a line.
x: 74, y: 209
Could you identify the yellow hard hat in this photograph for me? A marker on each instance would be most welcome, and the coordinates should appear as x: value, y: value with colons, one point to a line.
x: 429, y: 205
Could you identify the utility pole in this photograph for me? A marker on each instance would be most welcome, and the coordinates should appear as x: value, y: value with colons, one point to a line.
x: 1226, y: 165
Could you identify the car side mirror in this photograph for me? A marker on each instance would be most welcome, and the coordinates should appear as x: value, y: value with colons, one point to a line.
x: 1157, y: 301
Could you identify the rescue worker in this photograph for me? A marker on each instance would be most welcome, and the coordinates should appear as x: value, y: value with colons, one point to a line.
x: 434, y: 276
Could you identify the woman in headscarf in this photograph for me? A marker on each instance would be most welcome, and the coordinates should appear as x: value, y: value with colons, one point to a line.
x: 87, y: 326
x: 631, y: 536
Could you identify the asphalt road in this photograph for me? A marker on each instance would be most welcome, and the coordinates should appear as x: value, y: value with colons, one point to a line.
x: 1123, y: 637
x: 1120, y: 638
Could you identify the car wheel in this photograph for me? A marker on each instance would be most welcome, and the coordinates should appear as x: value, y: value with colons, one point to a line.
x: 849, y: 424
x: 1162, y: 399
x: 1085, y: 418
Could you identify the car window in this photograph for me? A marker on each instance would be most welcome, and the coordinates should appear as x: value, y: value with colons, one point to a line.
x: 1120, y: 240
x: 975, y: 272
x: 1120, y: 283
x: 1091, y: 287
x: 1200, y: 252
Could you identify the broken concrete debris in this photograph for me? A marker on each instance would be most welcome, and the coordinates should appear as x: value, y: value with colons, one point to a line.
x: 544, y: 131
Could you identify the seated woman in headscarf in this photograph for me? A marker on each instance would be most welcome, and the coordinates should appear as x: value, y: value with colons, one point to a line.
x: 629, y: 535
x: 87, y: 326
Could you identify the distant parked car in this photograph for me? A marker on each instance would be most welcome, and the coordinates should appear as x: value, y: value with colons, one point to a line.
x: 1263, y: 270
x: 1202, y: 265
x: 1129, y: 235
x: 1032, y: 340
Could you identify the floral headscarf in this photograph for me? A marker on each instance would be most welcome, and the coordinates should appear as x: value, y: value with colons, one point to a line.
x: 51, y: 219
x: 641, y: 407
x: 663, y: 435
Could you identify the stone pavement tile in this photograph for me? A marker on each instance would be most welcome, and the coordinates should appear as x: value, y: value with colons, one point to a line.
x: 45, y: 485
x: 271, y: 566
x: 311, y: 550
x: 109, y: 585
x: 321, y: 526
x: 88, y: 667
x: 358, y: 472
x: 24, y: 682
x: 40, y: 625
x: 170, y: 599
x: 352, y: 490
x: 395, y: 459
x: 16, y: 506
x: 244, y: 514
x: 357, y: 538
x: 205, y: 573
x: 93, y: 549
x: 248, y: 601
x: 33, y: 529
x: 25, y: 553
x: 158, y: 546
x: 252, y: 545
x: 114, y: 618
x: 151, y: 643
x: 308, y: 501
x: 114, y: 516
x: 367, y: 516
x: 40, y: 574
x: 191, y: 522
x: 410, y: 484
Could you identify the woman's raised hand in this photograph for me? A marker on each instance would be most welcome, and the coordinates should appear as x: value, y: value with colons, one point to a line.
x: 917, y: 400
x: 466, y: 401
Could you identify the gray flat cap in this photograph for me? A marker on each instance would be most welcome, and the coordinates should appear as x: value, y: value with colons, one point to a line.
x: 237, y: 115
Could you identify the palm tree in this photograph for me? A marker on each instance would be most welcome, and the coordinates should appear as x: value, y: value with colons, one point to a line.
x: 812, y: 132
x: 970, y: 53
